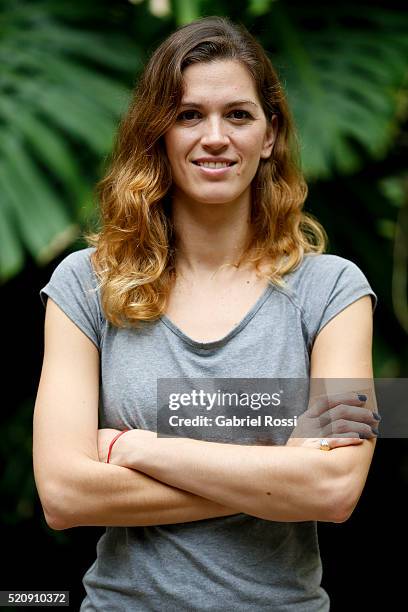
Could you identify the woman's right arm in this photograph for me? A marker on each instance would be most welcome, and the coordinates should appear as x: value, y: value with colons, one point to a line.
x: 76, y: 489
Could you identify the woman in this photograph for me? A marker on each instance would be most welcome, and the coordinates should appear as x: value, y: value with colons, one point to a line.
x: 205, y: 266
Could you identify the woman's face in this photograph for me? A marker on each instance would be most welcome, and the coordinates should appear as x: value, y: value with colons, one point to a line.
x: 220, y: 120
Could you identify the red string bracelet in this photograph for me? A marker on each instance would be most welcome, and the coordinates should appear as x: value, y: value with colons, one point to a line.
x: 113, y: 442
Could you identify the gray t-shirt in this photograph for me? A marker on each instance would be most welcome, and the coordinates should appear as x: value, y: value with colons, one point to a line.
x: 236, y: 563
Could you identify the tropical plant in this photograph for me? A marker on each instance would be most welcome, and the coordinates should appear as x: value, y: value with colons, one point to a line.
x: 346, y: 74
x: 61, y: 93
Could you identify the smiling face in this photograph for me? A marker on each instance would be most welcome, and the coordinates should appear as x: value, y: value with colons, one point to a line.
x: 220, y: 119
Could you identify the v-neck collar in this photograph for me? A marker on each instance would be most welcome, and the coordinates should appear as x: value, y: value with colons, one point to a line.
x: 235, y: 330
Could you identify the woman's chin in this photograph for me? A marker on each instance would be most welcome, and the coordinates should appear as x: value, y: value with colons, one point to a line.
x: 216, y: 198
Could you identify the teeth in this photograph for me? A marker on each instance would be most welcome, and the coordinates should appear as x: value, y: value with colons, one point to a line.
x: 213, y: 164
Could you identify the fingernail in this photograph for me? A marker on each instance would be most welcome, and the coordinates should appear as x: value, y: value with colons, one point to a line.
x: 376, y: 416
x: 363, y: 436
x: 362, y: 397
x: 374, y: 430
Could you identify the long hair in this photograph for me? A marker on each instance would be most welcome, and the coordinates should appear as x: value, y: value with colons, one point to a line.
x: 134, y: 255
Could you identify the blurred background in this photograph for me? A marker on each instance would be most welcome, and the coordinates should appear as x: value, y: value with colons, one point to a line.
x: 66, y: 71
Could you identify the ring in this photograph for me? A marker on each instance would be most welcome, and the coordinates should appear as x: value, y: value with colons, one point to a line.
x: 324, y: 445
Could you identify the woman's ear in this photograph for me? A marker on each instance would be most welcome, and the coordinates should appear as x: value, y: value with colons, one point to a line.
x: 270, y: 137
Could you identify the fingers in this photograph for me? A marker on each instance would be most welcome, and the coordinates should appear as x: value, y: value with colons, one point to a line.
x: 343, y: 427
x: 347, y: 413
x: 348, y: 440
x: 322, y: 404
x: 353, y: 413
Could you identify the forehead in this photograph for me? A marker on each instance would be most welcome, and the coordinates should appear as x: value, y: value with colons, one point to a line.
x: 210, y: 81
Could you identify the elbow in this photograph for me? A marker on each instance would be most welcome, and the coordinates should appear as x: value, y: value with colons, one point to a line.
x: 340, y: 515
x: 64, y: 494
x: 346, y: 509
x: 342, y: 499
x: 55, y: 523
x: 52, y: 501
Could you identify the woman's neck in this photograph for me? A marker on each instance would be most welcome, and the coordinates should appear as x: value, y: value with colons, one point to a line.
x: 209, y: 236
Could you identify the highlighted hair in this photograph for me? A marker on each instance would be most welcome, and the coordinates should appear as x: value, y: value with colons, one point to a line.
x: 134, y: 255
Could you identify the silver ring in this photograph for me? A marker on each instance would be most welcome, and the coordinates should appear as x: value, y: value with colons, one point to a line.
x: 324, y: 445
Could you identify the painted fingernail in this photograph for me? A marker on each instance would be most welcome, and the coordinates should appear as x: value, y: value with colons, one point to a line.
x: 362, y: 397
x: 376, y: 416
x: 375, y: 431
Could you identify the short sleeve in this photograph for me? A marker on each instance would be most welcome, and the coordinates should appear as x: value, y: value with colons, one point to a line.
x: 348, y: 285
x: 323, y: 286
x: 73, y: 287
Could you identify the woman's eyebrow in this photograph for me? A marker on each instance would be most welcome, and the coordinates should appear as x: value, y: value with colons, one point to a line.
x: 228, y: 105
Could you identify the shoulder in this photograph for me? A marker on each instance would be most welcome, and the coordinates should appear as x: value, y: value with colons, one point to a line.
x: 78, y: 261
x: 73, y: 286
x: 312, y: 265
x: 323, y: 285
x: 321, y: 272
x: 75, y: 271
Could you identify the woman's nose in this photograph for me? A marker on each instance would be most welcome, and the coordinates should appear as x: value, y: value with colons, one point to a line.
x: 215, y: 133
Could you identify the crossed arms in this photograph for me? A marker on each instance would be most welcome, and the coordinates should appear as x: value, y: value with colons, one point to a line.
x: 180, y: 480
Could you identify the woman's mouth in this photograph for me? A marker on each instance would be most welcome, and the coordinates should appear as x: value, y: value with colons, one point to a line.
x: 214, y: 168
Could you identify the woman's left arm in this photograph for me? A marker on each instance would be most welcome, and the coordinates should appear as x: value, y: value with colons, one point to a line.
x: 277, y: 483
x: 343, y: 351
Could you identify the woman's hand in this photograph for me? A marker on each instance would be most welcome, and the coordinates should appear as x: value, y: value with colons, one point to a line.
x: 341, y: 420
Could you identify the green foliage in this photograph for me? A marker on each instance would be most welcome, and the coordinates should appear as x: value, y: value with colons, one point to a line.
x: 397, y: 188
x: 346, y: 72
x: 185, y: 11
x: 64, y: 86
x: 61, y: 92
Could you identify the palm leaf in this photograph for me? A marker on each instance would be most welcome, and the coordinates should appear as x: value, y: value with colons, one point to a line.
x: 50, y: 148
x: 41, y: 220
x: 62, y: 91
x: 343, y: 82
x: 11, y: 251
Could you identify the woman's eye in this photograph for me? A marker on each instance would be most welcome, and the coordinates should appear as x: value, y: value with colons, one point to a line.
x: 184, y: 116
x: 189, y: 115
x: 245, y: 113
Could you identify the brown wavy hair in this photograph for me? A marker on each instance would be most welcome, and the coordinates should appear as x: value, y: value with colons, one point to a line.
x: 134, y: 257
